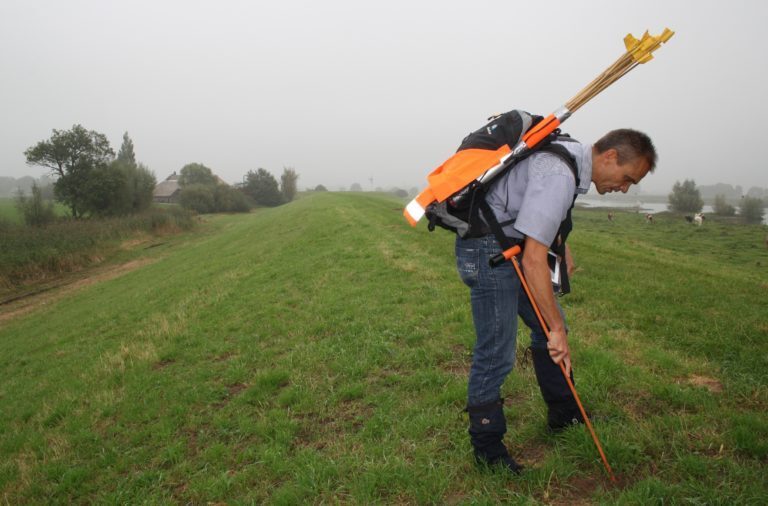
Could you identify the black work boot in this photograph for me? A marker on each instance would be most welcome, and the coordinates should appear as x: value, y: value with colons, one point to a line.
x: 562, y: 408
x: 487, y: 427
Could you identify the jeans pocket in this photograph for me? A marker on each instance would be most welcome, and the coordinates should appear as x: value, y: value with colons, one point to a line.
x: 468, y: 265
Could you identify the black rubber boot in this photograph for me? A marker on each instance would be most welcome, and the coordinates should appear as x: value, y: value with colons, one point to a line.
x: 487, y: 427
x: 562, y: 408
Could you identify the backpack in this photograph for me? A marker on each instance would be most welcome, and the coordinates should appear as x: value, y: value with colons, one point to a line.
x: 462, y: 215
x: 467, y: 213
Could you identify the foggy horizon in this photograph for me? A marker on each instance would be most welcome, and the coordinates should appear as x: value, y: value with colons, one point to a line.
x: 344, y: 92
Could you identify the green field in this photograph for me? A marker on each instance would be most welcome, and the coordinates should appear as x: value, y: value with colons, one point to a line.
x: 9, y: 212
x: 317, y: 353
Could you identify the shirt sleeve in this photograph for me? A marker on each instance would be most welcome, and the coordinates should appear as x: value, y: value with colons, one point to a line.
x: 547, y: 198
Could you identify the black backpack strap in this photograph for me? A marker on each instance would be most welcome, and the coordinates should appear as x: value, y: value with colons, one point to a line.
x: 562, y: 152
x: 558, y: 246
x: 490, y: 218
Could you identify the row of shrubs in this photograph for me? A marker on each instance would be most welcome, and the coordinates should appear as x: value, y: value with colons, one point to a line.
x: 63, y: 245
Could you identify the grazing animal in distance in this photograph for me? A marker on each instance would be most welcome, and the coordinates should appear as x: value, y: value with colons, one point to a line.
x: 698, y: 219
x: 689, y: 219
x: 649, y: 218
x: 610, y: 216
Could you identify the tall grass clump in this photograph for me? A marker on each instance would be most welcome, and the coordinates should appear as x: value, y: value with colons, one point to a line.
x: 35, y: 210
x: 30, y: 253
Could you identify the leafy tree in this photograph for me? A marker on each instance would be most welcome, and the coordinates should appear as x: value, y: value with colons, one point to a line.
x: 722, y: 207
x: 105, y: 192
x: 288, y: 184
x: 134, y: 191
x: 355, y: 187
x: 202, y: 192
x: 751, y: 209
x: 685, y: 197
x: 198, y: 197
x: 230, y: 200
x: 261, y: 186
x: 46, y: 190
x: 126, y: 154
x: 72, y: 155
x: 196, y: 173
x: 141, y: 184
x: 399, y: 192
x: 321, y: 188
x: 35, y: 210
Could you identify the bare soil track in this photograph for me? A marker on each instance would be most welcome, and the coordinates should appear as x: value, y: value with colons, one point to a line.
x: 36, y: 296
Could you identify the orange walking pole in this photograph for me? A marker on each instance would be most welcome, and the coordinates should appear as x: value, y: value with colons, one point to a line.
x: 511, y: 255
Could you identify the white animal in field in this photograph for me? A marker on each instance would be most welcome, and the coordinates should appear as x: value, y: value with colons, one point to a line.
x: 649, y: 218
x: 698, y: 219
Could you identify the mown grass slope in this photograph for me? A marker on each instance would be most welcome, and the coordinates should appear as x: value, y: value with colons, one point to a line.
x: 318, y: 352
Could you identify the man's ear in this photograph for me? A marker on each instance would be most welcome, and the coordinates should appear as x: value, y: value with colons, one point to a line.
x: 611, y: 155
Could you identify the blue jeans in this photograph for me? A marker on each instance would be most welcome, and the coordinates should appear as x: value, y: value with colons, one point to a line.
x: 497, y: 298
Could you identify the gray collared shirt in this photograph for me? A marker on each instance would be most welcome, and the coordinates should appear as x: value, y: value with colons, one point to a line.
x: 534, y: 197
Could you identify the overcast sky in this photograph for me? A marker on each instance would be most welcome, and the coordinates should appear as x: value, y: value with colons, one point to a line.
x: 346, y: 91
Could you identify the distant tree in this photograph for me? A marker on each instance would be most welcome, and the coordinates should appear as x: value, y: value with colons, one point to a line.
x: 230, y: 200
x: 722, y: 207
x: 262, y: 187
x: 135, y: 191
x: 355, y: 187
x: 321, y: 188
x: 72, y: 155
x: 105, y: 192
x: 751, y: 210
x: 126, y: 154
x: 142, y: 182
x: 685, y: 197
x: 46, y: 190
x: 35, y: 210
x: 198, y: 197
x: 196, y: 173
x: 288, y: 184
x: 399, y: 192
x: 757, y: 192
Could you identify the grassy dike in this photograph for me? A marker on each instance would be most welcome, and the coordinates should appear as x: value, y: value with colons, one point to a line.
x: 318, y: 352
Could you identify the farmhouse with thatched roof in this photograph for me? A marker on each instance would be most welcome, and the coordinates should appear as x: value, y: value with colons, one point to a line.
x: 167, y: 191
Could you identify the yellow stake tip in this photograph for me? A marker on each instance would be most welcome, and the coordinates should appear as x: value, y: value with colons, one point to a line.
x: 666, y: 35
x: 641, y: 49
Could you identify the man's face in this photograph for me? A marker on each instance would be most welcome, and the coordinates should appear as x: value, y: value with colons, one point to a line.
x: 610, y: 176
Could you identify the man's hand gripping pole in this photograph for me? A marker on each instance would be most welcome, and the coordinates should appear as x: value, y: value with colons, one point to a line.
x: 511, y: 255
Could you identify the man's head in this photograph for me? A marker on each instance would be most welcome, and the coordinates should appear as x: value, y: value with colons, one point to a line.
x: 620, y: 159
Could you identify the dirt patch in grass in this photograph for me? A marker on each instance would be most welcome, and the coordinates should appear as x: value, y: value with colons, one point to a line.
x: 232, y: 391
x: 163, y: 364
x: 133, y: 243
x: 47, y: 294
x: 579, y: 489
x: 459, y: 363
x: 319, y: 430
x: 531, y: 454
x: 223, y: 357
x: 710, y: 384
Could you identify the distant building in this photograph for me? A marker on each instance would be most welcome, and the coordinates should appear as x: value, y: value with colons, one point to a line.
x: 167, y: 191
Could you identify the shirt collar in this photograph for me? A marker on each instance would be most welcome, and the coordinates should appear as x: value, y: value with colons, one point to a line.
x: 584, y: 161
x: 583, y: 155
